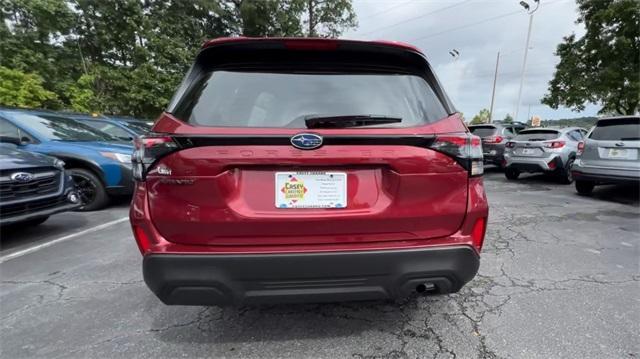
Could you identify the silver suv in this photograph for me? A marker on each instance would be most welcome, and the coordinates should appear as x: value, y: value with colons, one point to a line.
x: 609, y: 154
x: 547, y: 150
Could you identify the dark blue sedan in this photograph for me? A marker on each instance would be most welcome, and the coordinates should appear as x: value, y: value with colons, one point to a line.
x: 100, y: 164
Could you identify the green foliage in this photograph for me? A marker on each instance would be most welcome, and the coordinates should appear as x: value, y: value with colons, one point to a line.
x: 508, y: 119
x: 19, y: 89
x: 328, y: 17
x: 128, y: 56
x: 584, y: 122
x: 603, y: 66
x: 481, y: 117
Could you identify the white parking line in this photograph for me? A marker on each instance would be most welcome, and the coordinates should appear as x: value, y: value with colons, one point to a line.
x: 61, y: 239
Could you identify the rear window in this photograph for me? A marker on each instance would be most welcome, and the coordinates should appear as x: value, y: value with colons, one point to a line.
x: 627, y: 129
x: 483, y: 131
x: 537, y: 135
x: 285, y: 100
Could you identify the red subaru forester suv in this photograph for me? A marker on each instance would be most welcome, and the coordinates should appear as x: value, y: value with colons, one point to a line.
x: 308, y: 170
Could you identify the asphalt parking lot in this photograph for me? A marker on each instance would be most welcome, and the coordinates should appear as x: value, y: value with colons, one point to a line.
x: 559, y: 278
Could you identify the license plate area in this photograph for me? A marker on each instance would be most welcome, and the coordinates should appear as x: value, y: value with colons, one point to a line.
x: 617, y: 153
x: 530, y: 151
x: 310, y: 190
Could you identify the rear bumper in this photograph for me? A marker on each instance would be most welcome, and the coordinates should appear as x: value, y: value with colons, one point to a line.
x: 604, y: 175
x: 306, y: 277
x: 603, y: 179
x: 493, y: 153
x: 534, y: 164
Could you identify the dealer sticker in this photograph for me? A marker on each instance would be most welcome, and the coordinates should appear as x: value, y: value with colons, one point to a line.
x: 311, y: 190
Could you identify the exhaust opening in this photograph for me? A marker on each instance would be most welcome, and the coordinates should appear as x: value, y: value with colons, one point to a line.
x: 425, y: 288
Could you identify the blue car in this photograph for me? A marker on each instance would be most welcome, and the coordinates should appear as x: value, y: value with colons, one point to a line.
x: 124, y: 128
x: 99, y: 163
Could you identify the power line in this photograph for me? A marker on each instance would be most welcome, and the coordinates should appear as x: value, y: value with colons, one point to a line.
x: 390, y: 8
x: 476, y: 23
x: 466, y: 26
x: 415, y: 18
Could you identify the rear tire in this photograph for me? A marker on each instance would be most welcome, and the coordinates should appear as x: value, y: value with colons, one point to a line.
x: 511, y: 173
x: 584, y: 187
x: 565, y: 176
x: 92, y: 192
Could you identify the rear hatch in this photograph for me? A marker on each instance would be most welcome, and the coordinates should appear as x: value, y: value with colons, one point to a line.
x: 318, y: 142
x: 533, y: 143
x: 613, y: 143
x: 490, y: 137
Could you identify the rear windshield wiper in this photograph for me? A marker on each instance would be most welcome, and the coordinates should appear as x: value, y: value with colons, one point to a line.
x: 348, y: 121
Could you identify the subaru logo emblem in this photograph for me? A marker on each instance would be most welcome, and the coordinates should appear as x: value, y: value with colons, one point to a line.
x: 22, y: 177
x: 306, y: 141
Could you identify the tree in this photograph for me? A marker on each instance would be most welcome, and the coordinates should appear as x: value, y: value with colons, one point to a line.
x: 128, y: 56
x: 328, y: 17
x: 508, y: 119
x: 603, y: 65
x: 19, y: 89
x: 481, y: 117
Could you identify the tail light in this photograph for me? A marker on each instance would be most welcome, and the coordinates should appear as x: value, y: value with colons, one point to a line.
x: 510, y: 144
x: 580, y: 147
x: 148, y: 149
x: 494, y: 139
x: 478, y: 232
x: 554, y: 144
x: 464, y: 148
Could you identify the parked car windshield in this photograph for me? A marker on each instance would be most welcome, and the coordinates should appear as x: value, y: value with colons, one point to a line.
x: 61, y: 128
x: 483, y: 131
x: 626, y: 129
x: 109, y: 128
x: 537, y: 135
x: 267, y: 99
x: 139, y: 127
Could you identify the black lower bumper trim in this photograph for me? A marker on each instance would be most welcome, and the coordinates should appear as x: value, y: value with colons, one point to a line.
x: 604, y: 179
x: 306, y: 277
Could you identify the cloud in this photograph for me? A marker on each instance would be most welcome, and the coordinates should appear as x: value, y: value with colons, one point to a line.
x: 478, y: 29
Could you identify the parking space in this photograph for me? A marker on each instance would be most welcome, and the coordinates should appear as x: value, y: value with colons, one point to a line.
x: 559, y: 277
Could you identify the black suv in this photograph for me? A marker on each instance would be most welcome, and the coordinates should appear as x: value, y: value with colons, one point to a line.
x: 32, y: 186
x: 494, y: 137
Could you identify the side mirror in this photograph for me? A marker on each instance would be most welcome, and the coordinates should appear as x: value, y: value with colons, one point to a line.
x: 24, y: 140
x: 8, y: 139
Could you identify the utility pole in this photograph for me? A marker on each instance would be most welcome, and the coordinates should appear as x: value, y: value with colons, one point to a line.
x: 493, y: 92
x: 525, y: 5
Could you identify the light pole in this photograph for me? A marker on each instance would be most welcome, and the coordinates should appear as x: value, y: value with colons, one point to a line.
x: 526, y: 6
x: 493, y: 92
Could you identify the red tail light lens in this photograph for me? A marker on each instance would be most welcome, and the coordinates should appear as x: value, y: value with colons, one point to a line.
x: 312, y: 44
x: 494, y: 139
x: 581, y: 147
x: 510, y: 144
x: 148, y: 149
x: 141, y: 239
x: 554, y: 144
x: 478, y: 232
x: 464, y: 148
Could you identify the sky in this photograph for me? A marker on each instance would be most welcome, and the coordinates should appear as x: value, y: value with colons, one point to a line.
x: 478, y: 29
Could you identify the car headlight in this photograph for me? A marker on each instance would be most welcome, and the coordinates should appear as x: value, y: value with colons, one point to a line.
x: 120, y: 157
x: 59, y: 164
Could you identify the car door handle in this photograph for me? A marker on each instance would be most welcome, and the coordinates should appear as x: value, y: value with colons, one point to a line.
x: 620, y: 144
